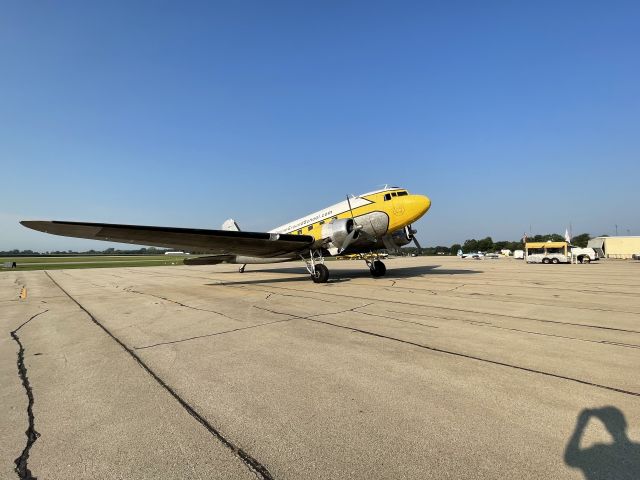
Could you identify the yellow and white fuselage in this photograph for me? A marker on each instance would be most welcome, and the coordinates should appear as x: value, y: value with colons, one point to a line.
x: 378, y: 213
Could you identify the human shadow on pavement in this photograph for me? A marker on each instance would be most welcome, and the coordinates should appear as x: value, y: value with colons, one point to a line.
x: 619, y: 460
x: 344, y: 275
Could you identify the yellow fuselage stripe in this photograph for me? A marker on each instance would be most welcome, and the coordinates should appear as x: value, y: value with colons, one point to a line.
x: 399, y: 212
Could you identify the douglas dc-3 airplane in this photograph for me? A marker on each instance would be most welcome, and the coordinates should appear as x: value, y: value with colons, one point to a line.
x: 359, y: 225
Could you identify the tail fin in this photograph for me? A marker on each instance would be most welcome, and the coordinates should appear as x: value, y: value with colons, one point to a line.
x: 230, y: 225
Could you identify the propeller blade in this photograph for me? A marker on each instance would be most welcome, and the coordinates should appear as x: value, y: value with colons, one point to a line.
x: 350, y: 209
x: 415, y: 240
x: 348, y: 240
x: 389, y: 244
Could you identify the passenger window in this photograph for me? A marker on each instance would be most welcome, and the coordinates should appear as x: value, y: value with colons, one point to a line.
x: 387, y: 197
x: 400, y: 194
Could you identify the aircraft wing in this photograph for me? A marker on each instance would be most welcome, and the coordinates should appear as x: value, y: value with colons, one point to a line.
x: 222, y: 242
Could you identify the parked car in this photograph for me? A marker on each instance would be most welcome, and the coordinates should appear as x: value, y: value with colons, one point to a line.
x: 474, y: 255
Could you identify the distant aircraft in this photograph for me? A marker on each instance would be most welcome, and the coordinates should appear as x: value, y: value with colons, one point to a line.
x: 358, y: 225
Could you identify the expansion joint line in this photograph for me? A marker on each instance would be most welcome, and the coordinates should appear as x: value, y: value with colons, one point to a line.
x: 258, y: 469
x: 313, y: 318
x: 21, y: 462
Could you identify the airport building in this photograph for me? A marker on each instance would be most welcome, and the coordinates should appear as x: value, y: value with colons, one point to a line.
x: 616, y: 247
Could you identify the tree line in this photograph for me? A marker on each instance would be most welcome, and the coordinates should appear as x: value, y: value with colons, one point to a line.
x: 471, y: 245
x: 107, y: 251
x: 488, y: 245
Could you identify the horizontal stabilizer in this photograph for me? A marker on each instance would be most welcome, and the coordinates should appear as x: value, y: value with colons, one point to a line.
x: 210, y: 260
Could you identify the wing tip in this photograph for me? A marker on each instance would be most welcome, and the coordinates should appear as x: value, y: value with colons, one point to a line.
x: 39, y: 225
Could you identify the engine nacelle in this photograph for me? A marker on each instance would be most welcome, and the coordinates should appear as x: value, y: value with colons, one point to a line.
x: 403, y: 237
x: 337, y: 231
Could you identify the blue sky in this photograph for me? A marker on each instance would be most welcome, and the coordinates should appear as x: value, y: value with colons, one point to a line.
x: 506, y: 114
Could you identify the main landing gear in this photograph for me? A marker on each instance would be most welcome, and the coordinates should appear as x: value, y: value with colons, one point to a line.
x: 377, y: 268
x: 316, y: 267
x: 320, y: 273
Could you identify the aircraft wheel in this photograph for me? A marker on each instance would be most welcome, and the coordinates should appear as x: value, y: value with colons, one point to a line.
x: 321, y: 274
x: 378, y: 269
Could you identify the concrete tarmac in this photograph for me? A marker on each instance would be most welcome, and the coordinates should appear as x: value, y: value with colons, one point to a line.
x: 445, y: 368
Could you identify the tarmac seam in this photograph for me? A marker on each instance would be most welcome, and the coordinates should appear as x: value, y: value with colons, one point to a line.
x: 457, y: 354
x: 130, y: 290
x: 479, y: 323
x: 32, y: 434
x: 586, y: 325
x: 254, y: 465
x: 212, y: 334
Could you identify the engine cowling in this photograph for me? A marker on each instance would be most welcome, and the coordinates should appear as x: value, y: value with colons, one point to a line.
x: 403, y: 237
x: 337, y: 231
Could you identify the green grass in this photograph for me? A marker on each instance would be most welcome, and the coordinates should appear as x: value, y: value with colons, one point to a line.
x: 97, y: 261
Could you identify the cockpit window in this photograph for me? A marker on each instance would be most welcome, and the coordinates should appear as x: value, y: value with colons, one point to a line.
x: 387, y: 196
x: 400, y: 194
x: 393, y: 194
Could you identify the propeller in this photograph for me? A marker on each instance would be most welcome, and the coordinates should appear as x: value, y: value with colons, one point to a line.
x: 411, y: 233
x: 353, y: 234
x: 391, y: 245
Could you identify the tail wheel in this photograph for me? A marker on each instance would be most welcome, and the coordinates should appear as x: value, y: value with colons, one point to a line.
x: 378, y: 269
x: 321, y: 274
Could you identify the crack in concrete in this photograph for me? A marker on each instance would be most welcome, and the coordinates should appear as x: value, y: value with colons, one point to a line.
x: 175, y: 302
x: 456, y: 354
x: 210, y: 334
x: 422, y: 305
x: 244, y: 287
x: 480, y: 323
x: 32, y: 434
x: 254, y: 465
x: 399, y: 319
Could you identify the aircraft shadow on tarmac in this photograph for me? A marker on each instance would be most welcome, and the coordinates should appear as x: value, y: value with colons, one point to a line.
x: 342, y: 275
x: 619, y: 459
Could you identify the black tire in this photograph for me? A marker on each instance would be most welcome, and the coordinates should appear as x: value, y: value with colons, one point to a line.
x: 321, y: 274
x: 378, y: 269
x: 555, y: 261
x: 545, y: 260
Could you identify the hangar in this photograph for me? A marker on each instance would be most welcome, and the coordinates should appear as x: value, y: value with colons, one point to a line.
x: 616, y: 247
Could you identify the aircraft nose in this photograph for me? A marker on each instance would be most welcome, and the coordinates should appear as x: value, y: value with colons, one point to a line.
x: 417, y: 206
x: 424, y: 203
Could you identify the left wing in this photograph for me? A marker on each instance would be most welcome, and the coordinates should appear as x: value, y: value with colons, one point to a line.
x: 221, y: 242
